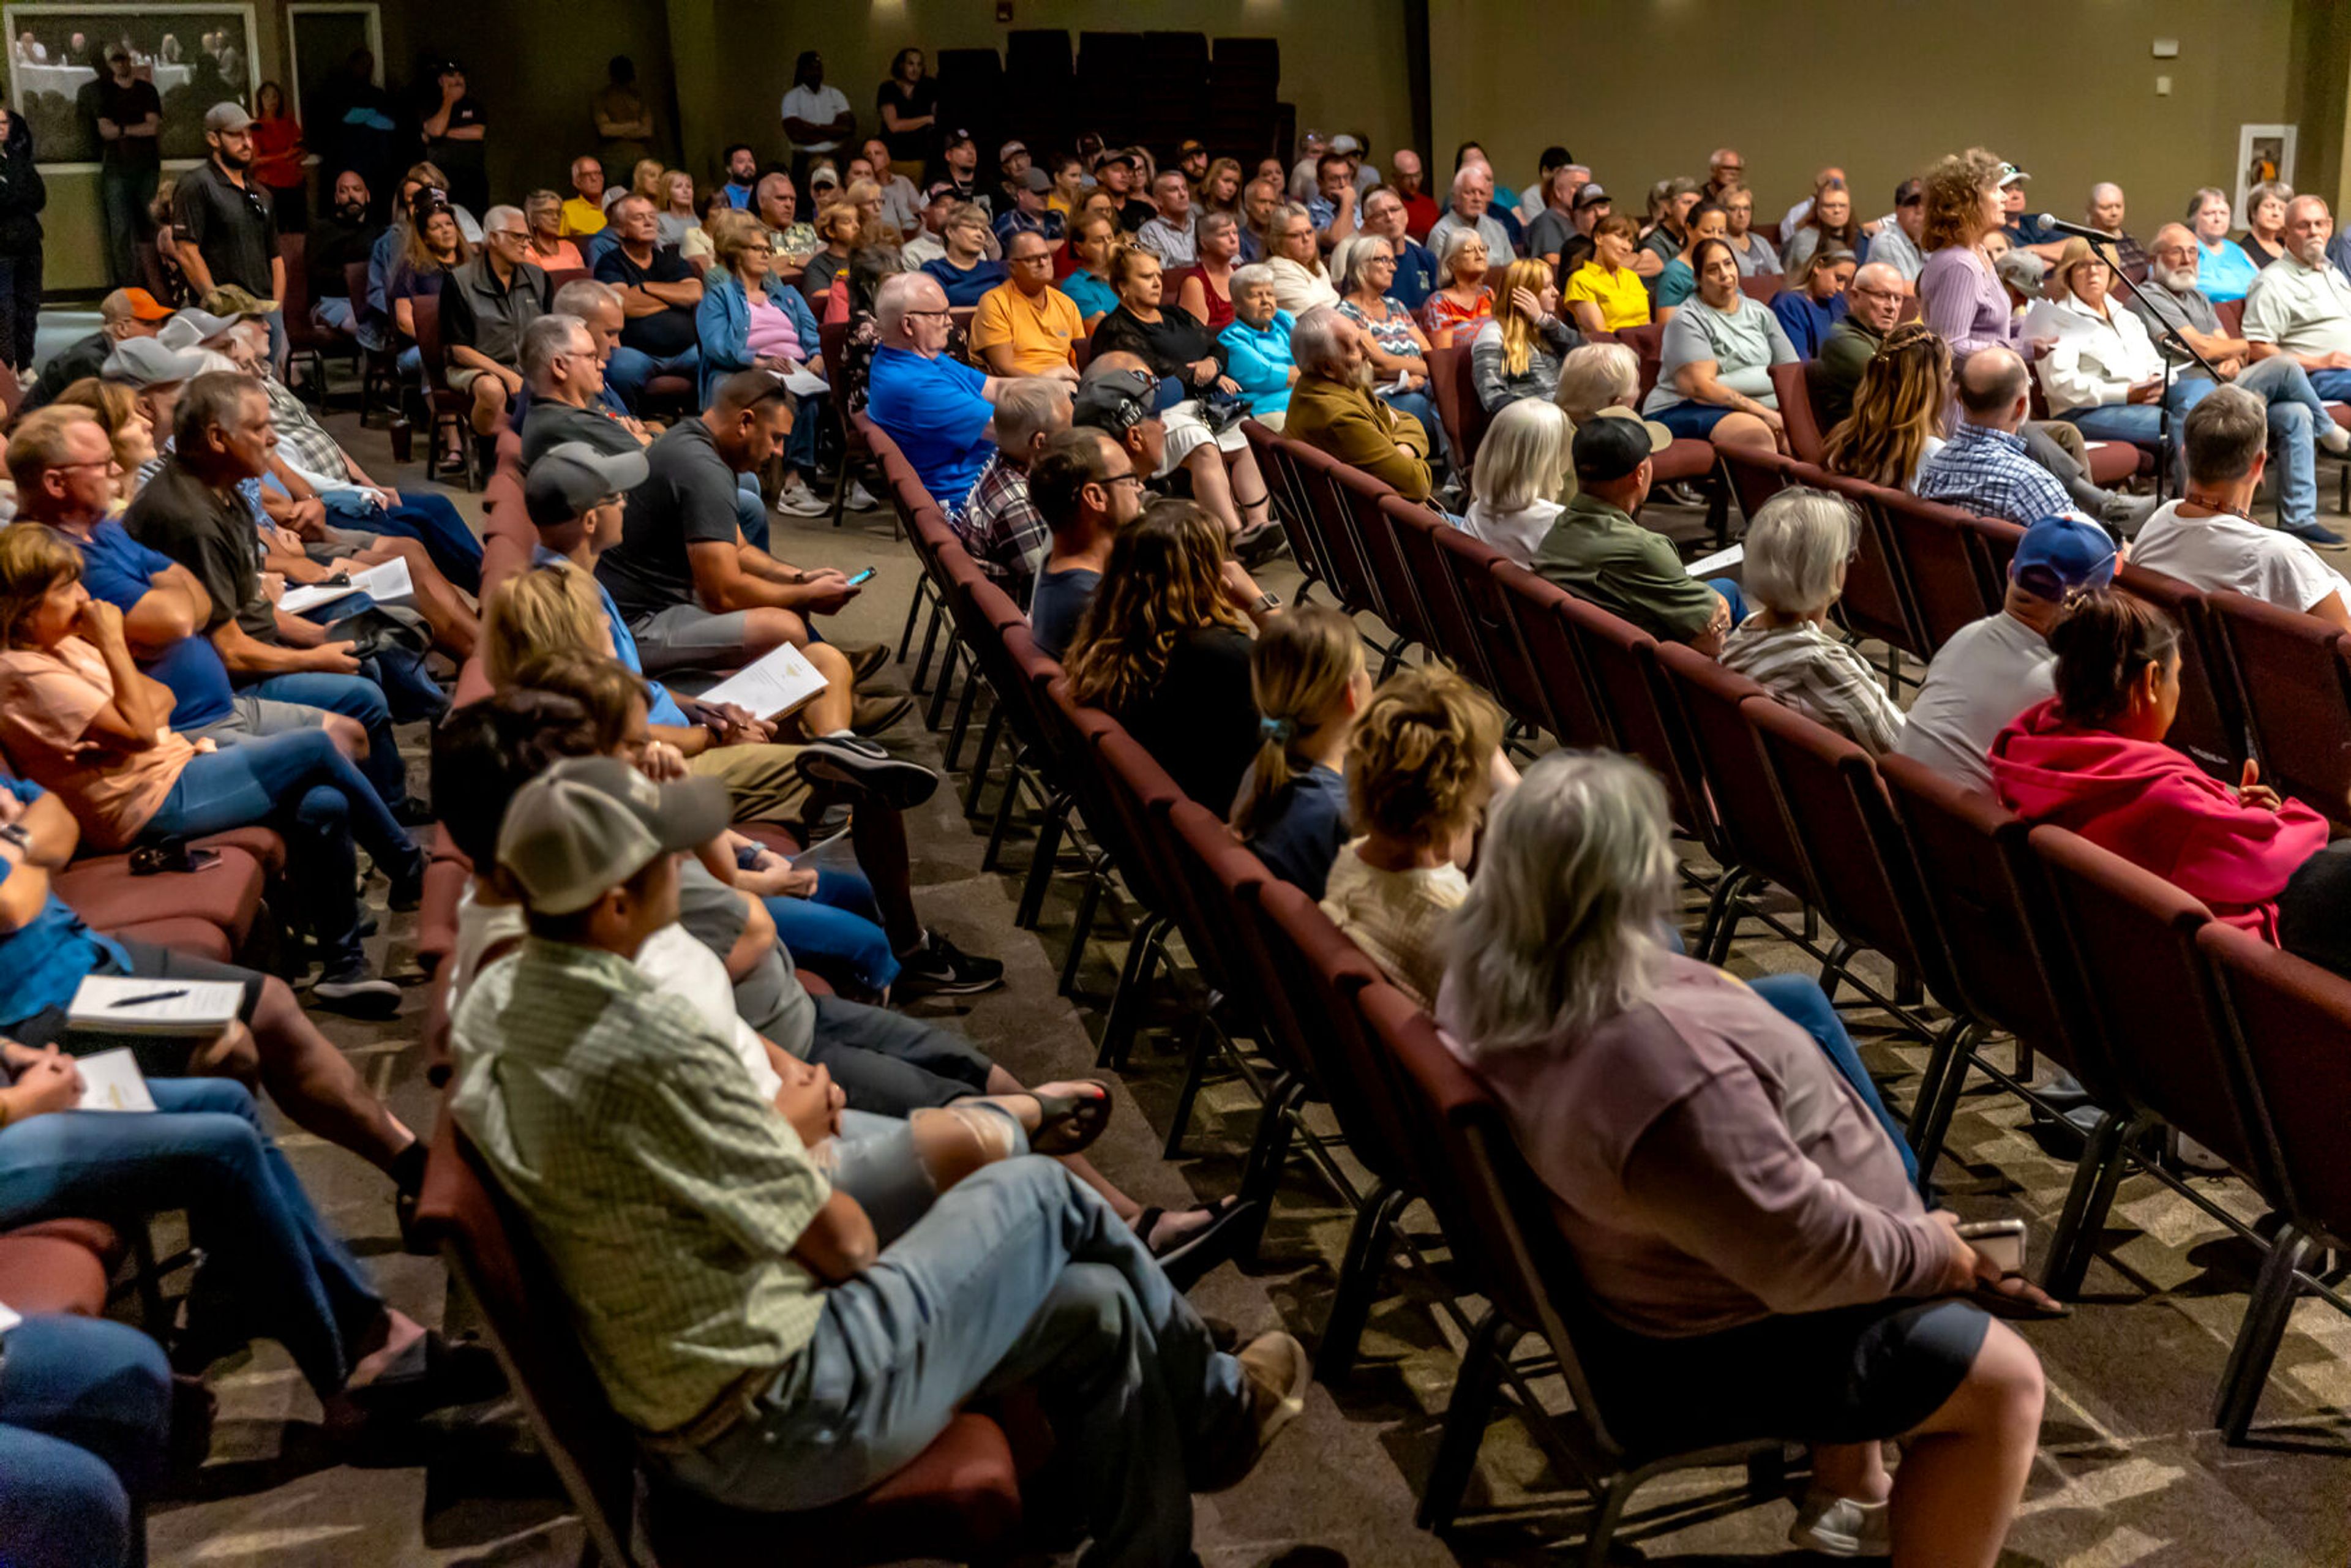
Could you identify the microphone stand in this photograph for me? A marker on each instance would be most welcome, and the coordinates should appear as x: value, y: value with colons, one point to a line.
x: 2165, y: 332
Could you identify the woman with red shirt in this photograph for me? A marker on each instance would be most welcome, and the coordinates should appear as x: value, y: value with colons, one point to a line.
x: 278, y: 158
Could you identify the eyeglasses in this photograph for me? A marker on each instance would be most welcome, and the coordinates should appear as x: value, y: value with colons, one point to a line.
x: 1129, y: 477
x: 947, y: 312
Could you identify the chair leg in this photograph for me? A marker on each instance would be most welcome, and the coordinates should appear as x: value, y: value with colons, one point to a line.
x: 986, y: 757
x: 964, y: 705
x: 1721, y: 915
x: 1939, y: 1094
x: 930, y: 639
x: 1042, y: 861
x: 2087, y: 1201
x: 1016, y: 778
x: 954, y: 656
x: 1195, y: 1074
x: 1359, y: 1283
x: 2256, y: 1345
x: 1464, y: 1421
x: 1080, y: 928
x: 1142, y: 956
x: 1268, y: 1152
x: 1833, y: 968
x: 1608, y: 1511
x: 913, y: 608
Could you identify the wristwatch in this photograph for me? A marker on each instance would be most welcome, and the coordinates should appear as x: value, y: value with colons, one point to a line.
x: 1265, y: 603
x: 15, y: 836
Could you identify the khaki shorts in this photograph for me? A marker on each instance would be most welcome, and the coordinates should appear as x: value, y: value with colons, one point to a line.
x: 764, y: 783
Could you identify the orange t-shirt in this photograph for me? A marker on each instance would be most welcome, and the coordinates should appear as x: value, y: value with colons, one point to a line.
x: 46, y: 701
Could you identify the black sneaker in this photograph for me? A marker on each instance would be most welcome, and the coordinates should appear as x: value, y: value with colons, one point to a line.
x: 357, y: 992
x: 860, y: 764
x: 1255, y: 547
x: 937, y: 968
x: 407, y: 889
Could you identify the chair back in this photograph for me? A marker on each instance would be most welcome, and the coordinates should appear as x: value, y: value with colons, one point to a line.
x: 426, y: 308
x: 1757, y: 473
x: 1648, y: 342
x: 1469, y: 564
x: 1419, y: 535
x: 1534, y: 608
x: 1139, y: 794
x: 2151, y: 996
x: 1352, y: 579
x: 1620, y: 660
x: 2293, y: 671
x: 1876, y: 602
x: 2290, y: 1018
x: 1399, y: 587
x: 2210, y: 727
x: 1455, y: 388
x: 1762, y: 289
x: 2232, y: 317
x: 1296, y: 514
x: 1941, y: 559
x: 1792, y: 387
x: 1709, y: 699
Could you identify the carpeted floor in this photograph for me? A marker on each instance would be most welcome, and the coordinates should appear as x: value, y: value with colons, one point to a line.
x: 2129, y: 1472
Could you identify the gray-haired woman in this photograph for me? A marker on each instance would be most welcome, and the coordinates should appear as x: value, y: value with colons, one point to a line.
x: 1296, y: 257
x: 1362, y: 268
x: 1743, y: 1220
x: 1797, y: 549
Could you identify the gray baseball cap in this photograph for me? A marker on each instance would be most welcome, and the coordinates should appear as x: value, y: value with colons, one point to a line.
x: 190, y: 327
x: 150, y: 362
x: 568, y: 479
x: 590, y: 823
x: 226, y: 117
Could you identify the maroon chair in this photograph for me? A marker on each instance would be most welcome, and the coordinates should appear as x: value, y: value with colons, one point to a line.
x: 1685, y: 459
x: 1762, y: 289
x: 1620, y: 660
x: 1299, y: 523
x: 1756, y: 476
x: 1752, y: 838
x: 1453, y: 631
x: 1876, y: 602
x: 959, y: 1498
x: 1208, y: 876
x: 1400, y: 587
x: 2290, y: 1018
x: 1138, y: 794
x: 1470, y: 565
x: 447, y: 407
x: 2293, y: 671
x: 1939, y: 560
x: 2210, y: 727
x: 1359, y: 587
x: 1792, y: 388
x: 1455, y: 390
x: 1647, y: 343
x: 1536, y: 610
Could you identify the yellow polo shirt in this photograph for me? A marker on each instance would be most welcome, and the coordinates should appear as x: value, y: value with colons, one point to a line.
x: 581, y: 218
x: 1039, y: 332
x: 1623, y: 299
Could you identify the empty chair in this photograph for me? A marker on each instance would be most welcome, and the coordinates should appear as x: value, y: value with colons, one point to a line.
x: 1400, y: 587
x: 2293, y: 671
x: 1453, y: 631
x: 1509, y: 675
x: 1940, y: 561
x: 1752, y: 838
x: 1540, y: 621
x: 1455, y: 394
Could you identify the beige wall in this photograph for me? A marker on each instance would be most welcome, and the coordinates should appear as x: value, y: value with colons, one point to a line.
x: 1343, y: 61
x: 2065, y: 88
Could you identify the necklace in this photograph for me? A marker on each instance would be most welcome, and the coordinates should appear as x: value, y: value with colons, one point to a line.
x: 2210, y: 505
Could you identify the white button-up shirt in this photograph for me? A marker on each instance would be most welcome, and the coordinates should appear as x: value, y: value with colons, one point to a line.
x: 2099, y: 366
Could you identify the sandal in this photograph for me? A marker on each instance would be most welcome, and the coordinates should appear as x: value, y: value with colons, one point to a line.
x: 1184, y: 1260
x: 1067, y: 1123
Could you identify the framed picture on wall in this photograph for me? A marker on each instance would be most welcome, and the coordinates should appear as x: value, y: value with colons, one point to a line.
x: 2263, y: 152
x: 197, y: 56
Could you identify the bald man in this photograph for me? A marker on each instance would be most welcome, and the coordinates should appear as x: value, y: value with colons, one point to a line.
x: 1984, y: 467
x: 2105, y: 213
x: 1874, y: 301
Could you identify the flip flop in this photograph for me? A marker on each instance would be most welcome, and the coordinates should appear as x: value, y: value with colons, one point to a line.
x: 1069, y: 1123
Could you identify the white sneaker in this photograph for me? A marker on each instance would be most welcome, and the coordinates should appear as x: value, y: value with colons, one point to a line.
x: 2336, y: 438
x: 861, y: 500
x: 796, y: 499
x: 1839, y: 1526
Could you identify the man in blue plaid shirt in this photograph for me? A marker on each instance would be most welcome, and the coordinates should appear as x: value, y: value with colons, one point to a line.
x: 1007, y: 536
x: 1984, y: 467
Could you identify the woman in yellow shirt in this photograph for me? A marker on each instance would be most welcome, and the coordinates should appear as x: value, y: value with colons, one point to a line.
x: 1605, y: 293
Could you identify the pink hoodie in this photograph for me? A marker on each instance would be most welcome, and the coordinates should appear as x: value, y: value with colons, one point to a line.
x: 2155, y: 807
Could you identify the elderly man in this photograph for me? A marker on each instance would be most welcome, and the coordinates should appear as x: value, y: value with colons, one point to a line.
x: 939, y: 411
x: 1334, y: 408
x: 583, y: 210
x: 659, y: 293
x: 1260, y: 199
x: 2105, y: 213
x: 123, y: 314
x: 1473, y: 193
x: 1168, y: 236
x: 1420, y: 208
x: 1024, y: 326
x: 2170, y: 301
x: 1332, y: 204
x: 1875, y: 298
x: 1415, y: 269
x: 563, y: 366
x: 1894, y: 241
x: 1599, y: 552
x: 777, y: 204
x: 1726, y: 171
x: 2299, y: 307
x: 1984, y: 467
x: 485, y: 305
x: 999, y: 523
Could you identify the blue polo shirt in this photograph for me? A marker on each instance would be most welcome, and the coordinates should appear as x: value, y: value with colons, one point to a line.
x: 1415, y: 274
x: 44, y: 960
x: 121, y: 570
x: 933, y: 409
x: 1091, y: 296
x: 663, y: 707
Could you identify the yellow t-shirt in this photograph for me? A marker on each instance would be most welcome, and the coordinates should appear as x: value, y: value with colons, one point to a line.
x: 1040, y: 333
x: 581, y: 218
x: 1623, y: 297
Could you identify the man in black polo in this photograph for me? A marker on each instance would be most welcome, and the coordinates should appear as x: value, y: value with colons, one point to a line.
x: 659, y: 293
x: 484, y: 306
x: 228, y: 229
x: 128, y: 119
x: 566, y: 375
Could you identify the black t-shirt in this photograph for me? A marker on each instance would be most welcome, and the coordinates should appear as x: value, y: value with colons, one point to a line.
x: 82, y: 357
x: 1135, y: 213
x: 672, y: 331
x: 233, y: 226
x: 333, y: 246
x: 551, y: 424
x: 128, y: 106
x: 213, y: 536
x: 1200, y: 721
x: 460, y: 159
x: 912, y: 103
x: 688, y: 498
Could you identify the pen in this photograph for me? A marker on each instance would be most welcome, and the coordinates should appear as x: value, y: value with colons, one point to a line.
x: 150, y: 996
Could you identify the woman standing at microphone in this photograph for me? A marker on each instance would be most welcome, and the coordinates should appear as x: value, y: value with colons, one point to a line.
x: 1959, y: 294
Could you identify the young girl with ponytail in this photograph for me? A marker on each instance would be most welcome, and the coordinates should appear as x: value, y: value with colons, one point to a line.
x: 1306, y: 673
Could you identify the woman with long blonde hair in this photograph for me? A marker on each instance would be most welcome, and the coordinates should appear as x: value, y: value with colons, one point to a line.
x: 1517, y: 351
x: 1898, y: 411
x: 548, y: 610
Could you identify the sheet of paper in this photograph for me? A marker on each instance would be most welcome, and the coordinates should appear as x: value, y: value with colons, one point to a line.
x: 9, y: 1317
x: 132, y: 1003
x: 1720, y: 561
x: 772, y: 688
x: 110, y: 1080
x: 386, y: 584
x: 803, y: 383
x: 2047, y: 319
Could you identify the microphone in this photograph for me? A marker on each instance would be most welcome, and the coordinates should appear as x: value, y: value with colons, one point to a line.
x: 2082, y: 231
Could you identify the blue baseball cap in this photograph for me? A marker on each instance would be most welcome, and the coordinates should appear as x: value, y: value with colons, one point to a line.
x: 2061, y: 553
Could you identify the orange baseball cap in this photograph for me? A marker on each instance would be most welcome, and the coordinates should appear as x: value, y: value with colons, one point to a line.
x: 144, y: 307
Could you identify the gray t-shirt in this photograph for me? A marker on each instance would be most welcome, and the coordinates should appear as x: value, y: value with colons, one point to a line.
x: 1985, y: 677
x: 1744, y: 342
x: 771, y: 997
x: 1549, y: 234
x: 2160, y: 307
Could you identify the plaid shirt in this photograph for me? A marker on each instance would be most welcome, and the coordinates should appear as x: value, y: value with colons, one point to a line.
x: 667, y: 1196
x: 1986, y: 471
x: 302, y: 441
x: 1007, y: 535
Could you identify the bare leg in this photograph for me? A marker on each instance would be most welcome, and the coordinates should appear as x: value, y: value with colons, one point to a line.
x: 348, y: 734
x: 1250, y: 493
x: 1743, y: 429
x: 316, y: 1085
x: 1209, y: 486
x: 454, y: 628
x: 1965, y: 1468
x: 832, y: 708
x: 489, y: 404
x: 1855, y: 1470
x: 878, y: 836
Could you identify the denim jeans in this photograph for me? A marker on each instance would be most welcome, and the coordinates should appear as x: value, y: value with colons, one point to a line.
x: 124, y: 197
x: 2334, y: 386
x: 2140, y: 424
x: 891, y: 1064
x: 837, y: 931
x: 2296, y: 414
x: 420, y: 515
x: 1019, y: 1276
x: 874, y: 1160
x: 271, y: 1263
x: 1800, y: 999
x: 353, y: 696
x: 85, y: 1416
x: 751, y: 511
x: 629, y: 370
x: 315, y: 796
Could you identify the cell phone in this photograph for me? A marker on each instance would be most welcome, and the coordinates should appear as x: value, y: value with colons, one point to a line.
x: 861, y: 579
x: 2002, y: 1242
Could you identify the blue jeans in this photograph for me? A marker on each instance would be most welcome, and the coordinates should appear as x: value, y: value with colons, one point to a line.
x: 2334, y: 386
x: 837, y: 931
x: 353, y: 696
x: 629, y: 370
x: 313, y: 794
x: 891, y: 1064
x: 85, y: 1416
x: 751, y: 511
x: 2296, y: 415
x: 420, y: 515
x: 125, y: 197
x: 271, y: 1264
x: 1019, y: 1276
x: 1800, y: 999
x: 2140, y: 424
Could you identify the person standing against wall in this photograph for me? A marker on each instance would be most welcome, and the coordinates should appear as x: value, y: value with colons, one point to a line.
x: 129, y: 117
x: 816, y: 117
x: 625, y: 126
x: 454, y: 130
x: 22, y: 194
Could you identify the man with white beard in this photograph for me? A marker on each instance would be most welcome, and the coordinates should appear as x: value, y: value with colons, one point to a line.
x: 2297, y: 415
x: 1334, y: 409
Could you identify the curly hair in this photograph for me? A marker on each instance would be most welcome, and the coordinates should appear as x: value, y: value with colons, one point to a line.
x: 1420, y: 759
x: 1897, y: 407
x: 1161, y: 583
x: 1953, y: 189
